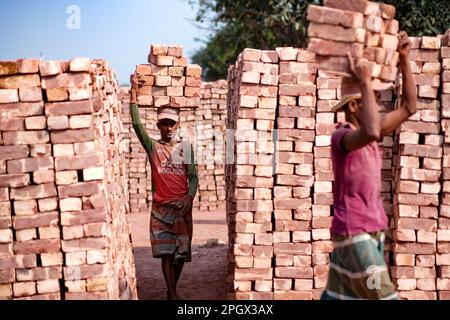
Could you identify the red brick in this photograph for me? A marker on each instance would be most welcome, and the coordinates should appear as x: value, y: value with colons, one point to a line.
x: 79, y: 190
x: 419, y: 199
x: 14, y: 180
x: 292, y: 248
x: 328, y: 47
x: 66, y: 80
x: 37, y: 246
x: 28, y: 65
x: 363, y: 6
x: 194, y: 70
x: 292, y: 225
x: 84, y: 244
x: 20, y: 81
x: 78, y: 162
x: 253, y: 274
x: 9, y: 95
x: 34, y: 192
x: 287, y: 53
x: 297, y: 90
x: 22, y: 109
x: 82, y: 217
x: 294, y: 272
x: 269, y: 56
x: 293, y: 295
x: 338, y: 17
x: 85, y: 272
x: 404, y: 235
x: 29, y: 165
x: 35, y: 221
x: 8, y: 68
x: 72, y: 136
x: 417, y: 295
x: 80, y: 65
x: 25, y: 137
x: 13, y: 152
x: 69, y: 108
x: 417, y: 224
x: 415, y: 248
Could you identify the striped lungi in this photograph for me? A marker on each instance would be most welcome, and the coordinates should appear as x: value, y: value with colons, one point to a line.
x: 170, y: 232
x: 358, y: 270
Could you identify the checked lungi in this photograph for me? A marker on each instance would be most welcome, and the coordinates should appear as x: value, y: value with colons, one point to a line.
x: 358, y: 270
x: 170, y: 232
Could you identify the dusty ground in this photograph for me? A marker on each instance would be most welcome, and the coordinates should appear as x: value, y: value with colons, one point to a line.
x: 202, y: 279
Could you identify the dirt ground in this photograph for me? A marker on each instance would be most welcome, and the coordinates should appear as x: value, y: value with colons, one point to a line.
x: 202, y: 279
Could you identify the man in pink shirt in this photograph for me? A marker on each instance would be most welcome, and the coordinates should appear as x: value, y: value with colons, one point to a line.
x: 357, y: 266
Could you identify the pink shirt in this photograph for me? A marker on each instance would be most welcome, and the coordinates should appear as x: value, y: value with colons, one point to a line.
x: 358, y: 206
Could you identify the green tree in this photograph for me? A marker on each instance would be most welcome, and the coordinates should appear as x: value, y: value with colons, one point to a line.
x: 266, y: 24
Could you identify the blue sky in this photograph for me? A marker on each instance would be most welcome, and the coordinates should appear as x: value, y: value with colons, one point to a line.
x: 119, y: 31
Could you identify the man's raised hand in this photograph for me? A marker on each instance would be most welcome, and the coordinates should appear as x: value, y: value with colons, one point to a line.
x: 404, y: 44
x: 136, y: 83
x: 362, y: 70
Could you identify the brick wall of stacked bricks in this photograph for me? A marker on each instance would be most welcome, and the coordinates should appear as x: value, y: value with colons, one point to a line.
x: 417, y: 173
x: 443, y: 232
x: 209, y: 145
x: 279, y: 217
x: 63, y: 187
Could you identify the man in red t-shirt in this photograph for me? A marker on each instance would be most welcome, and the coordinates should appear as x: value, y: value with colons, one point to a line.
x: 174, y: 186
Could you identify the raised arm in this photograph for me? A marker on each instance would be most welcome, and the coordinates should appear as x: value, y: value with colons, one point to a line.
x: 369, y: 129
x: 408, y: 105
x: 141, y: 133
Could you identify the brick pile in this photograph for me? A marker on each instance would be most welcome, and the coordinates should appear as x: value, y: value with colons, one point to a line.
x: 210, y: 146
x: 414, y: 160
x: 417, y: 174
x: 443, y: 233
x: 63, y: 183
x: 123, y: 94
x: 294, y: 179
x: 252, y: 102
x: 364, y: 28
x: 204, y: 147
x: 386, y: 148
x: 328, y: 95
x: 219, y: 93
x: 30, y: 254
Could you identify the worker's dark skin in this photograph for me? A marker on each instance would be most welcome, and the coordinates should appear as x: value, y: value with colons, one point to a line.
x: 171, y: 267
x: 364, y: 114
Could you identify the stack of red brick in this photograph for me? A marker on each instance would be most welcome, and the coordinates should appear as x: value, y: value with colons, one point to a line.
x: 364, y: 28
x: 253, y: 89
x: 219, y: 93
x: 328, y: 94
x: 209, y: 145
x: 64, y: 233
x: 414, y: 160
x: 417, y: 172
x: 204, y: 151
x: 443, y: 232
x: 292, y: 236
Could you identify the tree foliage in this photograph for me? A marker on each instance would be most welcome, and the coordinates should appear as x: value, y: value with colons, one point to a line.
x: 234, y: 25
